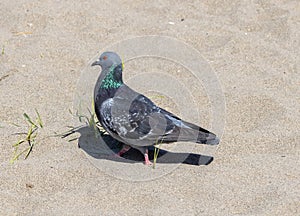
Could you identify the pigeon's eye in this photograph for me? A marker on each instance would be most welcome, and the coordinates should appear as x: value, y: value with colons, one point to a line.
x: 104, y: 57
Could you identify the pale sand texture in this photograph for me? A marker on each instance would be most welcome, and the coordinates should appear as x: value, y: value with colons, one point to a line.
x: 253, y: 47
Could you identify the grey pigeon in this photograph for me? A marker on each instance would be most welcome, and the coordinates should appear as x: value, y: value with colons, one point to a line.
x: 134, y: 119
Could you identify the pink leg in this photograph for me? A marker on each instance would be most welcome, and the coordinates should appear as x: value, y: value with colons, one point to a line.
x: 147, y: 161
x: 124, y: 149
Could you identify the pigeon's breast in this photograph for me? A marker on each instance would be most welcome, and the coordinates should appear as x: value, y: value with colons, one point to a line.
x: 113, y: 118
x: 105, y: 113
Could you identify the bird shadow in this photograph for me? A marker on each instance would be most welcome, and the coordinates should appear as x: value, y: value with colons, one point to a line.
x: 104, y: 147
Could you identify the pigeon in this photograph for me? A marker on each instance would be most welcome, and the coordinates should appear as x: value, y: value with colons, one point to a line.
x: 133, y: 119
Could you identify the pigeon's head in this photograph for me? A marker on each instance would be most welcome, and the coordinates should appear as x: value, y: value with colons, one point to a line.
x: 108, y: 59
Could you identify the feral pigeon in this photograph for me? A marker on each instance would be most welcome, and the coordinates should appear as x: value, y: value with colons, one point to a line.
x: 134, y: 119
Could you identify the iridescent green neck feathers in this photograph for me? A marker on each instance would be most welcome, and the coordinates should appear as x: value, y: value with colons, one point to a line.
x: 112, y: 79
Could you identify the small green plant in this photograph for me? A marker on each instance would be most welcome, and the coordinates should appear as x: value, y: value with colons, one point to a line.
x: 2, y: 52
x: 156, y: 152
x: 34, y: 127
x: 90, y: 120
x: 29, y: 137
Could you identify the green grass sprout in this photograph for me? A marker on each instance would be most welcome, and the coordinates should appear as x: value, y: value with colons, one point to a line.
x: 29, y: 119
x: 29, y: 137
x: 156, y: 152
x: 39, y: 119
x: 89, y: 120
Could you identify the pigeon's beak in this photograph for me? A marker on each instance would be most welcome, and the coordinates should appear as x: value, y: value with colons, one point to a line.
x: 96, y: 62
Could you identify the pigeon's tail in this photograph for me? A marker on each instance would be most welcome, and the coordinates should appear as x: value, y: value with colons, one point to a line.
x: 191, y: 133
x: 210, y: 139
x: 200, y: 135
x: 179, y: 130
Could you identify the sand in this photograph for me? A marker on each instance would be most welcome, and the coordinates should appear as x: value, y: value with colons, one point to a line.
x: 252, y: 50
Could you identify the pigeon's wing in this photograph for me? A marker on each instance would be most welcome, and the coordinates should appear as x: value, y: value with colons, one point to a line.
x: 139, y: 118
x: 138, y: 121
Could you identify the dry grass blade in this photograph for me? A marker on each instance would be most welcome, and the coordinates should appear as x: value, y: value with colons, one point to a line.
x: 29, y: 149
x: 18, y: 143
x: 71, y: 140
x: 16, y: 156
x: 22, y: 33
x: 69, y: 132
x: 14, y: 124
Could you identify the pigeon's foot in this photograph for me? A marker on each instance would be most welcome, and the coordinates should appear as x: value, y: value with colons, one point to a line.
x: 124, y: 149
x: 147, y: 161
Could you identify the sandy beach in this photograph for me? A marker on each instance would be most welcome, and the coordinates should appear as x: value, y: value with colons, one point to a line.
x: 247, y: 92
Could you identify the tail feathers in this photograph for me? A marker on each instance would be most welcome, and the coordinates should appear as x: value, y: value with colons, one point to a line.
x: 203, y: 136
x: 211, y: 139
x: 195, y: 134
x: 185, y: 131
